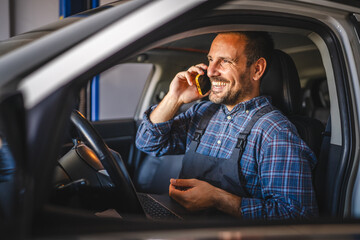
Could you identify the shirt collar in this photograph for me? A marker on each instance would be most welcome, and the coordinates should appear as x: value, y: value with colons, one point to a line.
x: 249, y: 105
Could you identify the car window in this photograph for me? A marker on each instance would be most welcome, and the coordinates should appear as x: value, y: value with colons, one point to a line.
x: 120, y: 90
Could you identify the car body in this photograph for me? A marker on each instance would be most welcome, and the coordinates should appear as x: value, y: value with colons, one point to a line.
x: 48, y: 72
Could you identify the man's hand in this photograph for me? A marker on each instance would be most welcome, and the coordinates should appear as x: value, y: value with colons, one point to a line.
x: 182, y: 90
x: 193, y: 194
x: 182, y: 86
x: 196, y: 195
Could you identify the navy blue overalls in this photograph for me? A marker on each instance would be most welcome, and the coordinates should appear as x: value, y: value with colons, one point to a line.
x: 219, y: 172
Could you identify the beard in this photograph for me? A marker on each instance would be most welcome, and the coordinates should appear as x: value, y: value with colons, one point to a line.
x: 232, y: 97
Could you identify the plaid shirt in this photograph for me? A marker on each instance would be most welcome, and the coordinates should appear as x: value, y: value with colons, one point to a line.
x: 276, y: 163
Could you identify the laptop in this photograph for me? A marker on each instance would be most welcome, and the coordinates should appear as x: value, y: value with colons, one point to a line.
x: 161, y: 207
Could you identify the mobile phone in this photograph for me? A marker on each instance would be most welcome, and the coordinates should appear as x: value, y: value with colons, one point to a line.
x: 203, y: 83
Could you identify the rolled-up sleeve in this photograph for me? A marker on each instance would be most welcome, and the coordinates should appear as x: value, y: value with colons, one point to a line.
x: 285, y: 172
x: 162, y: 138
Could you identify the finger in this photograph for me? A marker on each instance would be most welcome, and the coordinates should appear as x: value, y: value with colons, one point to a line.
x: 172, y: 189
x: 203, y: 66
x: 197, y: 69
x: 183, y: 198
x: 194, y: 71
x: 182, y: 182
x: 181, y: 75
x: 189, y: 78
x: 174, y: 192
x: 184, y: 76
x: 200, y: 68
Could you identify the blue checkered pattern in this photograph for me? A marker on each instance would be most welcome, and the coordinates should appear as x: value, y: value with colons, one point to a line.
x: 276, y: 165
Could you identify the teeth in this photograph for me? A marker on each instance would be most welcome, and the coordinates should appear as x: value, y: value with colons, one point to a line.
x: 218, y: 83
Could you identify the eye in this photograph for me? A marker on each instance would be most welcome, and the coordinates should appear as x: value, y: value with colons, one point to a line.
x: 226, y: 61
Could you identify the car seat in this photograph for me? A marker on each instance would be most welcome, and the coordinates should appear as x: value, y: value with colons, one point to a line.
x: 281, y: 82
x: 316, y: 100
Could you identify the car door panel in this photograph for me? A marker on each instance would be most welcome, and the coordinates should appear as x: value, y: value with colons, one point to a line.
x: 119, y: 135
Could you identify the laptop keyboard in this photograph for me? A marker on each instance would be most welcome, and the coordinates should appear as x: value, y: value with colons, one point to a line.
x: 156, y: 210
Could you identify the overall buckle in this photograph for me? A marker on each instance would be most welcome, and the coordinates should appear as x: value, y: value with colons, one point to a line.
x: 197, y: 136
x: 241, y: 143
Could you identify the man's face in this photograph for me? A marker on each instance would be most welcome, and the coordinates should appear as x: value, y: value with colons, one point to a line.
x: 227, y: 70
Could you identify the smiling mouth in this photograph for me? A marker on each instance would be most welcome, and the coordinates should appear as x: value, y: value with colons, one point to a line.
x: 218, y: 83
x: 217, y: 86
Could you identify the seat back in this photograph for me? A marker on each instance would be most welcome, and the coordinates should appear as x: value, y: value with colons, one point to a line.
x: 281, y: 82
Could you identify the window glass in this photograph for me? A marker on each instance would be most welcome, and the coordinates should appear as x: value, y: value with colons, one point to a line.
x: 120, y: 90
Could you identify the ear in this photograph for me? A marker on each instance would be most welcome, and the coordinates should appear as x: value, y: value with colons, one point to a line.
x: 259, y: 68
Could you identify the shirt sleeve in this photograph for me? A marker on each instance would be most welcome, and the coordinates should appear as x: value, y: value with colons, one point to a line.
x: 285, y: 173
x: 162, y: 138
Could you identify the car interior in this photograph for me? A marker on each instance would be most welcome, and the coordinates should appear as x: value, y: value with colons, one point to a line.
x: 100, y: 173
x: 296, y: 80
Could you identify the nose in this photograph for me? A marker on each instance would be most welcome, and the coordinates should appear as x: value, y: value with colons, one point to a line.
x: 212, y: 70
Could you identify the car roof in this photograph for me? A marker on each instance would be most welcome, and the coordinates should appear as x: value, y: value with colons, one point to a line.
x: 64, y: 33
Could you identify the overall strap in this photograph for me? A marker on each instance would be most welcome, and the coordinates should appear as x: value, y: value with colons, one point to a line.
x: 203, y: 124
x: 242, y: 139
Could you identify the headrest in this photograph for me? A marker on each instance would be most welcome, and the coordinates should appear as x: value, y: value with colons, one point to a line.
x: 281, y: 82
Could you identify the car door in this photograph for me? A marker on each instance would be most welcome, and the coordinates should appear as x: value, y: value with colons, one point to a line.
x: 13, y: 165
x: 50, y: 80
x: 114, y: 102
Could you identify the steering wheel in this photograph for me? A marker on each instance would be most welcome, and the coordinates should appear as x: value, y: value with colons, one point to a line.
x: 125, y: 194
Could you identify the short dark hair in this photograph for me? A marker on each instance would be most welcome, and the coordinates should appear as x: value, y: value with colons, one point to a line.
x: 259, y: 44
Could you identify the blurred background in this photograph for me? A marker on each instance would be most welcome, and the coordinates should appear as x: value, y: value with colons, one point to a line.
x: 19, y: 16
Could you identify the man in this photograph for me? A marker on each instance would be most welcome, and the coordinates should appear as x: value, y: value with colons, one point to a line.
x: 267, y: 173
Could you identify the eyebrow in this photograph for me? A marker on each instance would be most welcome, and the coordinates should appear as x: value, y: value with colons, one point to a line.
x: 226, y: 58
